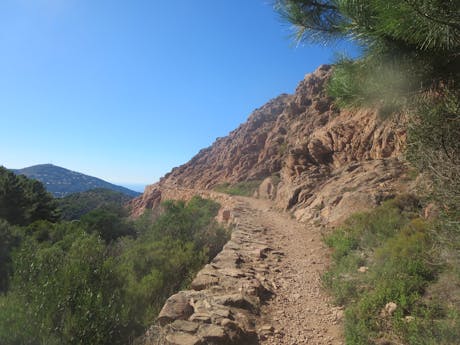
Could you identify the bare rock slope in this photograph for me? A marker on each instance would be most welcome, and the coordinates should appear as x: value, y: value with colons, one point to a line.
x: 321, y: 162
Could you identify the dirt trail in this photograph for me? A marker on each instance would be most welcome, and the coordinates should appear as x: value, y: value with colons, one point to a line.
x: 263, y: 288
x: 299, y: 312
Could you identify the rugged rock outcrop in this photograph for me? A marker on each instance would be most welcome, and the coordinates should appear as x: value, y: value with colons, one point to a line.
x: 314, y: 160
x: 322, y: 162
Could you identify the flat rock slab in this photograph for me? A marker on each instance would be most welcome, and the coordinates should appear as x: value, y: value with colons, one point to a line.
x: 177, y: 307
x: 182, y: 339
x: 185, y: 326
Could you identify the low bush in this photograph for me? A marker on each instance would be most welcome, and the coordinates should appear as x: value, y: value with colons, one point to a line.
x: 93, y: 282
x: 245, y: 188
x: 398, y: 256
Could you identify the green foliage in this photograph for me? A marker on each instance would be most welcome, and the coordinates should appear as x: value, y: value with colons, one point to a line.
x: 317, y: 21
x: 15, y: 325
x: 167, y: 254
x: 398, y: 248
x: 22, y: 200
x: 76, y: 205
x: 422, y: 25
x: 434, y: 145
x: 91, y: 281
x: 365, y: 231
x: 71, y: 289
x: 152, y: 271
x: 367, y: 82
x: 245, y: 188
x: 8, y: 240
x: 276, y: 179
x: 437, y: 317
x: 191, y: 222
x: 109, y: 222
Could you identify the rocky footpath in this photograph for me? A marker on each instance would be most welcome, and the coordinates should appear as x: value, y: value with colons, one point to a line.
x: 263, y: 288
x: 316, y: 164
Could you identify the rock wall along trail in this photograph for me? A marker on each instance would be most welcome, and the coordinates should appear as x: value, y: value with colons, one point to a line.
x: 263, y: 288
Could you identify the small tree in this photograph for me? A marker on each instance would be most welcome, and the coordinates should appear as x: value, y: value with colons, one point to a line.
x: 23, y: 200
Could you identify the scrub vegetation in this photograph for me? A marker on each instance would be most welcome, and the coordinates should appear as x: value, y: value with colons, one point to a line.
x: 244, y: 188
x: 100, y: 279
x: 392, y: 255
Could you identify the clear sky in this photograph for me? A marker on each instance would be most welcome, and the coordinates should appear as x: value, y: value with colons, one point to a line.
x: 126, y: 90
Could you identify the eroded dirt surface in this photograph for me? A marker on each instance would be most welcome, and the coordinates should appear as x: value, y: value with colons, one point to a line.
x: 299, y: 312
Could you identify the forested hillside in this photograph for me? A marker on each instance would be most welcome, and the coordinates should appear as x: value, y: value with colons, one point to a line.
x: 75, y: 205
x: 61, y: 182
x: 99, y: 279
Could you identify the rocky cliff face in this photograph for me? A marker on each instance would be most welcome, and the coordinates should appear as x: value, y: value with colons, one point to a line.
x: 316, y: 160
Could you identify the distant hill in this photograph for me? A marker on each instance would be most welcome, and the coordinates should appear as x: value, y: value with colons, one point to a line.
x: 76, y: 205
x: 61, y: 182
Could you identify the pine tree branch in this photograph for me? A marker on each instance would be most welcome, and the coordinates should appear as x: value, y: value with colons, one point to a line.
x: 325, y: 6
x: 308, y: 3
x: 436, y: 20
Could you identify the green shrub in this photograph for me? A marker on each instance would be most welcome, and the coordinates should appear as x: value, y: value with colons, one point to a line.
x: 433, y: 324
x: 245, y: 188
x: 86, y: 282
x: 17, y: 326
x: 23, y: 200
x: 398, y: 249
x: 8, y: 241
x: 152, y: 271
x: 76, y: 205
x: 109, y: 222
x: 71, y: 291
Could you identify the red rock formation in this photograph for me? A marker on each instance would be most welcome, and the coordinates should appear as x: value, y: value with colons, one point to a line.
x: 329, y: 161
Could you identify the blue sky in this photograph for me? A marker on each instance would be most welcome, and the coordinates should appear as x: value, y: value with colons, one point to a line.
x: 126, y: 90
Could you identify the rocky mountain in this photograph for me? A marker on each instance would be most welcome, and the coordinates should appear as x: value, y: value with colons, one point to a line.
x: 311, y: 158
x: 61, y: 182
